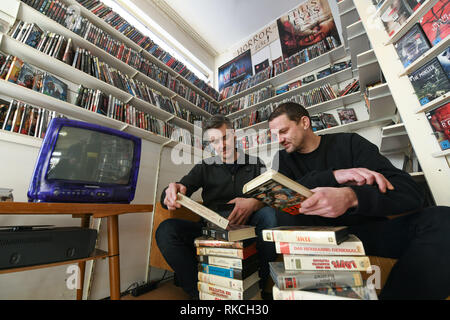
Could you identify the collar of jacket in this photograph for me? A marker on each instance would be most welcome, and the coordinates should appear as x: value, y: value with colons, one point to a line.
x: 242, y: 159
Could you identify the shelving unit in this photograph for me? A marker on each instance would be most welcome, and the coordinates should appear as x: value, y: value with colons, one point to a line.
x: 348, y: 15
x: 433, y: 52
x: 427, y: 5
x: 29, y: 14
x: 368, y: 69
x: 73, y: 75
x: 394, y: 139
x: 434, y: 103
x: 18, y: 138
x: 321, y: 61
x: 357, y: 41
x: 100, y: 23
x: 434, y: 162
x: 332, y: 79
x: 381, y: 102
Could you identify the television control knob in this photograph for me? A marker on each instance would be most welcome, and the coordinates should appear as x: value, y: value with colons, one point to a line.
x: 70, y: 252
x: 15, y: 258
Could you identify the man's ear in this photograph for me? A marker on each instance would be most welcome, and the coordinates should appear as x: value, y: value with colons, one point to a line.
x: 306, y: 123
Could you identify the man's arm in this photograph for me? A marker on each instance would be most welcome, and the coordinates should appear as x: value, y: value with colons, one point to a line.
x: 406, y: 194
x: 377, y: 187
x: 187, y: 185
x: 374, y: 188
x: 312, y: 179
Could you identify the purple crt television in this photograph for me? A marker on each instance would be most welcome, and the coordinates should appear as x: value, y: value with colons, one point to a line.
x: 84, y: 162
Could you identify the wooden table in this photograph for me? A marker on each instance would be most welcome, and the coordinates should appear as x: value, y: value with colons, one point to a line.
x: 84, y: 211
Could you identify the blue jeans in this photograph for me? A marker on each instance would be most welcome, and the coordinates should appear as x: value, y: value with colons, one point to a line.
x: 175, y: 239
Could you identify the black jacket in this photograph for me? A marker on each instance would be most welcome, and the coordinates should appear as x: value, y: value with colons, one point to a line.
x: 349, y: 150
x: 220, y: 182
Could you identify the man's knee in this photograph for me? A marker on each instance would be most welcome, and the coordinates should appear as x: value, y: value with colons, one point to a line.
x: 166, y: 230
x: 266, y: 217
x: 436, y: 219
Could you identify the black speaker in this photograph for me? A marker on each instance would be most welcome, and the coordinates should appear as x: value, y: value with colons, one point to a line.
x: 28, y: 246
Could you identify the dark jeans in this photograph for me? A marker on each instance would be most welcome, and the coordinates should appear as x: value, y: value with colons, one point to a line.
x: 420, y: 241
x: 175, y: 239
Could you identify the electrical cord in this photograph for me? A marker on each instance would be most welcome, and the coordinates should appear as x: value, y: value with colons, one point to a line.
x: 136, y: 290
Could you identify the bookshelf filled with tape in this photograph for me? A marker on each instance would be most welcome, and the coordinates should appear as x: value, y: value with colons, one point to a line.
x: 371, y: 105
x: 157, y: 108
x: 420, y: 126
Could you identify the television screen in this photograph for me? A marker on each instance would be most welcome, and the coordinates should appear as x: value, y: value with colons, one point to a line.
x: 90, y: 157
x: 85, y: 162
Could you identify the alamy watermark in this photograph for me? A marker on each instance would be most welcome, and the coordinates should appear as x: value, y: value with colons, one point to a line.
x: 215, y: 147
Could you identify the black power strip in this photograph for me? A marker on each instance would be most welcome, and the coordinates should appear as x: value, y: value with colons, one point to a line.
x: 144, y: 288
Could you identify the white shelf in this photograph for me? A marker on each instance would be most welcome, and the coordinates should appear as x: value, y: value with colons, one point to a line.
x: 418, y: 176
x: 332, y: 79
x: 393, y: 130
x: 348, y: 16
x: 414, y: 18
x: 358, y: 42
x: 383, y: 6
x: 355, y: 30
x: 38, y: 99
x: 434, y: 103
x: 58, y: 68
x: 439, y: 154
x: 317, y: 108
x: 28, y: 14
x: 353, y: 126
x: 18, y: 138
x: 69, y: 73
x: 290, y: 75
x: 100, y: 23
x: 427, y: 56
x: 381, y: 102
x: 335, y: 103
x: 345, y: 6
x: 394, y: 139
x: 368, y: 69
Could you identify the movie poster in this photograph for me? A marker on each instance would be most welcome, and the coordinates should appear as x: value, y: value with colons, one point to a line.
x: 235, y: 70
x: 306, y: 25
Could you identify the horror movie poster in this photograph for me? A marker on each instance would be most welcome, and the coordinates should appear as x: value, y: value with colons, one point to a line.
x: 309, y: 23
x: 235, y: 70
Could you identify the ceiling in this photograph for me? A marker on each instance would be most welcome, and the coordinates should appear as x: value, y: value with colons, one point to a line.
x: 223, y: 23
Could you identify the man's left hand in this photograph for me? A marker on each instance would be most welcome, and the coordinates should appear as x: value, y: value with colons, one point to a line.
x: 329, y: 202
x: 243, y: 209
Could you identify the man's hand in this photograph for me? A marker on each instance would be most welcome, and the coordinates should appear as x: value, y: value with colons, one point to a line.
x: 362, y: 176
x: 171, y: 195
x: 243, y: 209
x: 329, y: 202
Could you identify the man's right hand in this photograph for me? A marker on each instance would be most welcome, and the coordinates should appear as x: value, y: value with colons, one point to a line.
x: 362, y: 176
x: 171, y: 195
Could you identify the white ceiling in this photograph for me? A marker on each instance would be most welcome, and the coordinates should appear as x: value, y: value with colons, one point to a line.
x: 223, y: 23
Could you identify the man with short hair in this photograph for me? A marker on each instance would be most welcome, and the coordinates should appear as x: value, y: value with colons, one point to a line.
x: 221, y: 179
x: 354, y: 185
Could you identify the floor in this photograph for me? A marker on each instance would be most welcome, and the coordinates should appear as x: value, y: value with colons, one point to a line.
x: 165, y: 291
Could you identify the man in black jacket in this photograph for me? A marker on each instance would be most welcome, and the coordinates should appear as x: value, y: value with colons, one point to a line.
x: 355, y: 185
x: 221, y: 179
